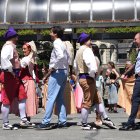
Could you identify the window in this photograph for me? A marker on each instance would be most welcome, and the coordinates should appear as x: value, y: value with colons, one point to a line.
x: 122, y: 56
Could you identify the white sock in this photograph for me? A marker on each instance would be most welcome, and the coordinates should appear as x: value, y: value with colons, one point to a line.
x: 101, y: 110
x: 5, y: 109
x: 21, y: 107
x: 84, y: 114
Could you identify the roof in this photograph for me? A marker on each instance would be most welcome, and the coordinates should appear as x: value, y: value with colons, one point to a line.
x: 38, y: 14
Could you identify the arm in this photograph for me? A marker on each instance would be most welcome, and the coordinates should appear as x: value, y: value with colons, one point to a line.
x: 116, y: 73
x: 6, y: 56
x: 25, y: 61
x: 128, y: 71
x: 90, y: 62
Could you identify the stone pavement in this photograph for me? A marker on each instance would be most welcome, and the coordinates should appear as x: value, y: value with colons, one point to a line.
x: 73, y: 132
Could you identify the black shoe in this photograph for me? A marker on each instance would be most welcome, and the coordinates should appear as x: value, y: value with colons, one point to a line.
x: 43, y: 127
x: 129, y: 127
x: 63, y: 125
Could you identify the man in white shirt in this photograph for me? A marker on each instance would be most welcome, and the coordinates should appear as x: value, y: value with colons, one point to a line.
x: 13, y: 87
x: 130, y: 125
x: 58, y: 69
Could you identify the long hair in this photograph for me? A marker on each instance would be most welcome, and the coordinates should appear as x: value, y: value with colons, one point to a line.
x: 96, y: 52
x: 111, y: 64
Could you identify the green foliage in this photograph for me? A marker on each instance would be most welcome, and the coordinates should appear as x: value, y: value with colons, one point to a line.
x: 122, y: 30
x: 133, y: 55
x: 2, y: 32
x: 86, y: 30
x: 45, y: 32
x: 26, y: 32
x: 1, y: 44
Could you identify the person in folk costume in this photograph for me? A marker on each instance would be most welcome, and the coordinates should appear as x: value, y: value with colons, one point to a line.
x: 69, y: 96
x: 28, y: 76
x: 102, y: 114
x: 1, y: 86
x: 13, y: 86
x: 85, y: 65
x: 57, y: 73
x: 113, y: 92
x: 44, y: 88
x: 126, y: 90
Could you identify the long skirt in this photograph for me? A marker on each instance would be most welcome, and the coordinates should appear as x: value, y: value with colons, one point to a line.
x: 112, y: 94
x: 44, y: 93
x: 78, y: 94
x: 125, y: 94
x: 68, y: 100
x: 32, y: 101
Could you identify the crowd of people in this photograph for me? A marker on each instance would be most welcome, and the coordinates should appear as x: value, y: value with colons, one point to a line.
x: 68, y: 86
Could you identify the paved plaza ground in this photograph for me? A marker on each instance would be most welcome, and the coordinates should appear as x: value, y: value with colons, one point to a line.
x: 73, y: 132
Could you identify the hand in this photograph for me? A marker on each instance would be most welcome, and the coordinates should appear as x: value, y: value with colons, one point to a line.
x: 112, y: 81
x: 122, y: 76
x: 47, y: 75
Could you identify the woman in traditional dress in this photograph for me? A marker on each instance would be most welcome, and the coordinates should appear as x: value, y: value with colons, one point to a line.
x: 126, y: 90
x: 28, y: 76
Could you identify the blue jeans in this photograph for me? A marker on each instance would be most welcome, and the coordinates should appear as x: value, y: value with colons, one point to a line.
x: 56, y: 86
x: 135, y: 102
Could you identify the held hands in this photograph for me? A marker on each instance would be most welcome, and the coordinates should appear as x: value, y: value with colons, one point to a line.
x: 47, y: 75
x: 122, y: 76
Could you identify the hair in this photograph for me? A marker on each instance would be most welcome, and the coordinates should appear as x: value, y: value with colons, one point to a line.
x: 96, y: 52
x: 29, y: 47
x: 85, y: 40
x: 111, y: 64
x: 58, y: 30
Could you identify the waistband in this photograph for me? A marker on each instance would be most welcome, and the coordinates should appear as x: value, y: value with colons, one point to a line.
x: 4, y: 70
x: 61, y: 69
x: 84, y: 76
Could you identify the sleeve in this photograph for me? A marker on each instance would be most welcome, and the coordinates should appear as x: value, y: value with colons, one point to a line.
x: 59, y: 54
x: 6, y: 56
x: 24, y: 62
x: 90, y: 62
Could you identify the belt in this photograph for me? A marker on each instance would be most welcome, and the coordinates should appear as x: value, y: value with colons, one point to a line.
x: 84, y: 76
x: 4, y: 70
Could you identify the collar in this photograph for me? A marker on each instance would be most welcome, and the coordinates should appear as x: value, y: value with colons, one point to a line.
x: 10, y: 43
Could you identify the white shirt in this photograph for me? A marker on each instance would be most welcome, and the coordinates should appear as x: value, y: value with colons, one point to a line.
x: 59, y: 56
x: 26, y: 61
x: 6, y: 55
x: 137, y: 66
x: 90, y: 62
